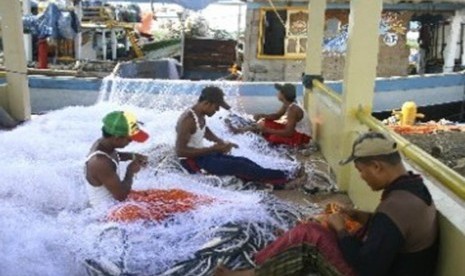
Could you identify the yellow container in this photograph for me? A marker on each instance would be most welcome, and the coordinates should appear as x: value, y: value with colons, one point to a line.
x: 408, y: 114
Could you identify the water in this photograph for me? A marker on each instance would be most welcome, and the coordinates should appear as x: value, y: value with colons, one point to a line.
x: 46, y: 225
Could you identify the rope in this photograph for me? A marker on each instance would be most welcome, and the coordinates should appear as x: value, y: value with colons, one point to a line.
x: 13, y: 72
x: 301, y: 48
x: 277, y: 13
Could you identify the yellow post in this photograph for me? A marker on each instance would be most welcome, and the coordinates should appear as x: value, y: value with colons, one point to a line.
x: 313, y: 61
x: 18, y: 102
x: 359, y: 74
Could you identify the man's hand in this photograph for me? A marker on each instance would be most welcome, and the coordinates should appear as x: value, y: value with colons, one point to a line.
x: 134, y: 167
x: 261, y: 126
x: 257, y: 117
x: 138, y: 162
x: 357, y: 215
x: 141, y: 159
x: 349, y: 211
x: 233, y: 145
x: 336, y: 222
x: 224, y: 147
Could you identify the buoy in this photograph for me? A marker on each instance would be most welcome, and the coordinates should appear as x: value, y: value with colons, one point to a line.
x: 408, y: 114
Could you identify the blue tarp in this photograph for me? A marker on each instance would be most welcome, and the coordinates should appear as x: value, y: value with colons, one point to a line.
x: 52, y: 23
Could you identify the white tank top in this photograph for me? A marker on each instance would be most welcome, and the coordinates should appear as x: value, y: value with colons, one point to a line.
x: 303, y: 126
x: 196, y: 139
x: 99, y: 196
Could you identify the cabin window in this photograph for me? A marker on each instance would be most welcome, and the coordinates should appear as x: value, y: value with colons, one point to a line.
x: 283, y: 33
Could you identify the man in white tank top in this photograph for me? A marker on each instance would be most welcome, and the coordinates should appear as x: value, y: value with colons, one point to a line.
x: 191, y: 129
x: 290, y: 125
x: 119, y: 129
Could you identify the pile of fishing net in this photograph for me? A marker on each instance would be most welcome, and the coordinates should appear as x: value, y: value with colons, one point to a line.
x: 427, y: 128
x: 156, y: 205
x: 232, y: 243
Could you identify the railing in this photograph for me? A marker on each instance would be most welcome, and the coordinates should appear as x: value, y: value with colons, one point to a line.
x: 448, y: 177
x: 327, y: 91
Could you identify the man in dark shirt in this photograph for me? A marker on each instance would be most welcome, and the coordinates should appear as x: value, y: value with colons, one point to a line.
x: 401, y: 235
x: 398, y: 239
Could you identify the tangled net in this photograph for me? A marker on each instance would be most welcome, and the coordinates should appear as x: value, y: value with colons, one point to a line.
x: 156, y: 205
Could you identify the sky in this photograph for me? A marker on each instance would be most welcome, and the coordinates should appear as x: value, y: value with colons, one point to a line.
x: 219, y: 16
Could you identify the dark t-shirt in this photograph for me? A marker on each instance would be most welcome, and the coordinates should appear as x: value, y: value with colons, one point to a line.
x: 401, y: 236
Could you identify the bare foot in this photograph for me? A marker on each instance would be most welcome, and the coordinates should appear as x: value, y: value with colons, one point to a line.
x: 223, y: 271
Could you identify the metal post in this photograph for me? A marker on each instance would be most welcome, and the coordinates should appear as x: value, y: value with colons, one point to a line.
x: 113, y: 44
x: 78, y: 38
x: 27, y: 37
x: 181, y: 17
x: 18, y: 99
x: 104, y: 44
x: 313, y: 60
x: 359, y: 75
x: 239, y: 17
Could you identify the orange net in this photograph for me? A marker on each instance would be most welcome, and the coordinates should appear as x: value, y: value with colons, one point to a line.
x: 156, y: 205
x: 351, y: 225
x: 425, y: 129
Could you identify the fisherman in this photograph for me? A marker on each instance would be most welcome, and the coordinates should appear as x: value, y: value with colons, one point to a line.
x: 290, y: 125
x: 191, y: 130
x: 105, y: 185
x: 106, y: 188
x: 399, y: 238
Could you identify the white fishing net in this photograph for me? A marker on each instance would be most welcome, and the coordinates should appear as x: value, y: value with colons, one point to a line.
x: 47, y: 227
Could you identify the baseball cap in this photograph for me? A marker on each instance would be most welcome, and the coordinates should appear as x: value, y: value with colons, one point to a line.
x: 371, y: 144
x: 124, y: 124
x: 214, y: 94
x: 285, y: 88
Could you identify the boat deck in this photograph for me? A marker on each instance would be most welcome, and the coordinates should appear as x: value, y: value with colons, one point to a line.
x: 299, y: 196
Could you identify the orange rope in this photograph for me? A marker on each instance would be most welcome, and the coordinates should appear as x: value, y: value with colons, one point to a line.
x: 425, y: 129
x: 156, y: 205
x: 351, y: 225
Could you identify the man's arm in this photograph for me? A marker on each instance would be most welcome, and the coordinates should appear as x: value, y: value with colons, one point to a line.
x: 128, y: 156
x: 376, y: 254
x: 211, y: 136
x: 102, y: 169
x: 184, y: 130
x: 274, y: 116
x: 360, y: 216
x: 294, y: 115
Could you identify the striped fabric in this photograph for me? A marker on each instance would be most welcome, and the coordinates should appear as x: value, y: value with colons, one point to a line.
x: 299, y: 260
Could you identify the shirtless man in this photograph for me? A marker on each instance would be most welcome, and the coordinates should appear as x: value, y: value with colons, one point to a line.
x: 119, y: 129
x: 191, y: 129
